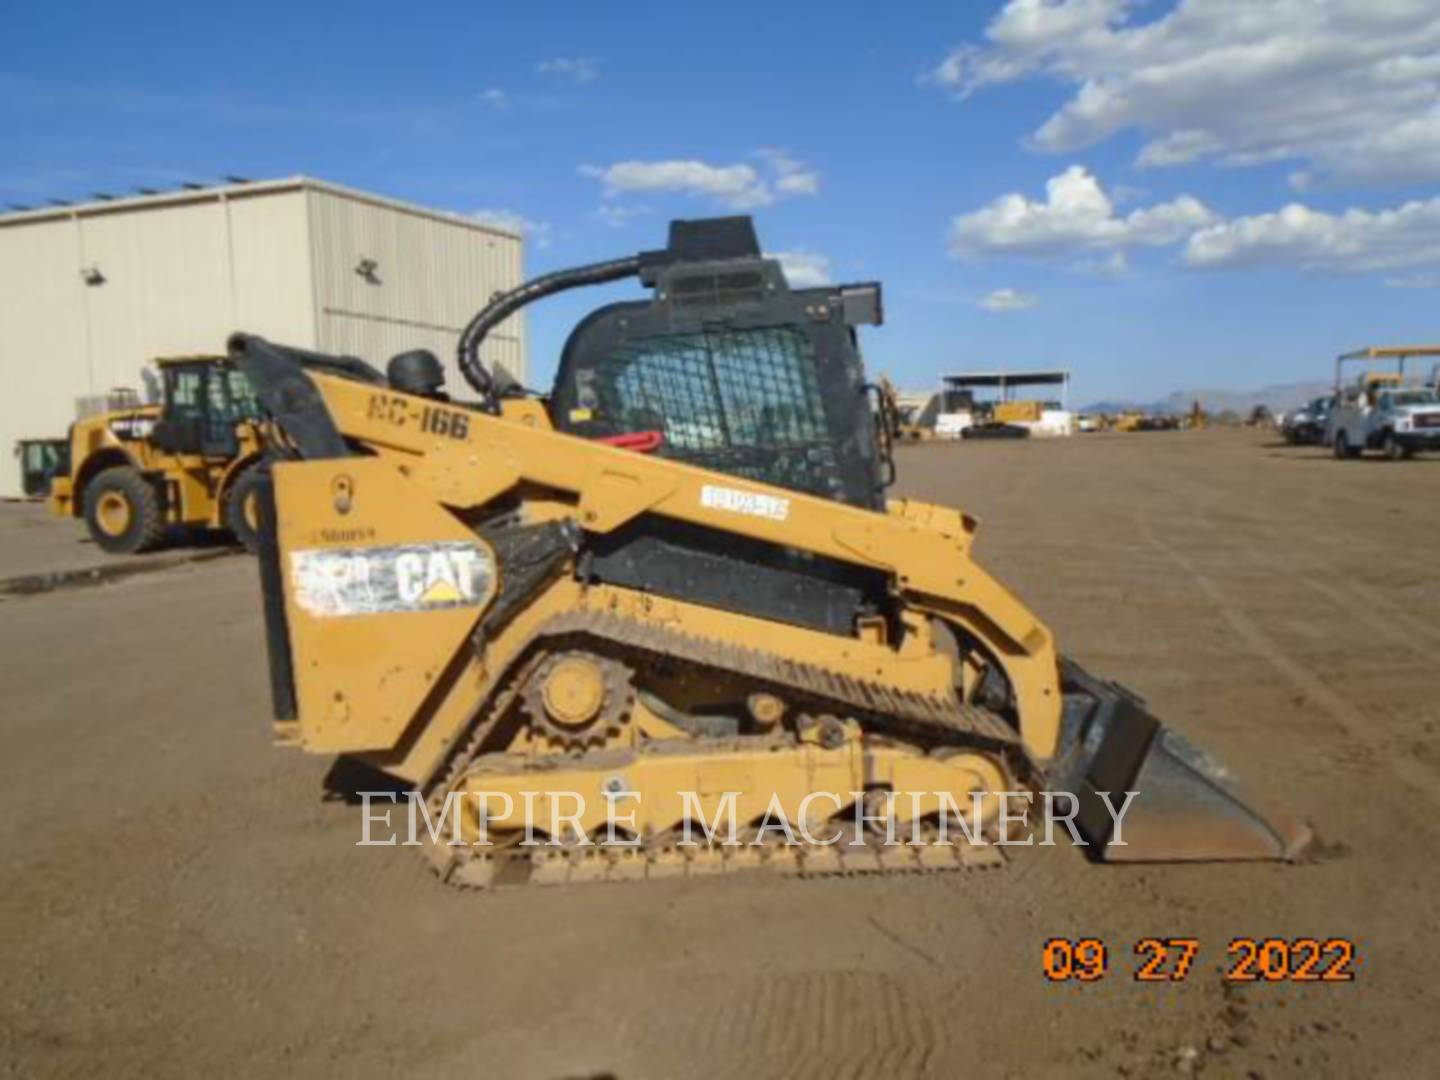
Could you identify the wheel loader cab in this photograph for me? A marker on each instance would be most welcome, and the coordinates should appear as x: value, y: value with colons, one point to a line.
x: 736, y: 372
x: 204, y: 401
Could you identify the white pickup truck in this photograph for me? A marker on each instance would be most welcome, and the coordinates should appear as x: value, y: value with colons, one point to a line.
x: 1396, y: 420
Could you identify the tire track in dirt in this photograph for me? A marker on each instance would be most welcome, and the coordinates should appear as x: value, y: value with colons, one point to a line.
x: 1364, y: 604
x: 1385, y: 619
x: 828, y: 1025
x: 1348, y: 717
x: 1397, y: 624
x: 1370, y: 503
x: 1308, y: 510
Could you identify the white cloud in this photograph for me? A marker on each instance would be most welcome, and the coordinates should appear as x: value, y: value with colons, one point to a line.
x: 1114, y: 265
x: 617, y: 215
x: 739, y: 186
x: 1414, y: 281
x: 1355, y: 240
x: 1351, y: 87
x: 513, y: 221
x: 791, y: 177
x: 1076, y: 214
x: 803, y: 183
x: 803, y: 269
x: 495, y: 98
x: 581, y: 69
x: 1007, y: 300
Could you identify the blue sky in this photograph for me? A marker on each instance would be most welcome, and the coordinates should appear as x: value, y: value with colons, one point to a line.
x: 910, y: 143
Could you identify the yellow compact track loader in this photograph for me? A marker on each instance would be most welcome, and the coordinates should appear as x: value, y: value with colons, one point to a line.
x: 186, y: 460
x: 673, y: 596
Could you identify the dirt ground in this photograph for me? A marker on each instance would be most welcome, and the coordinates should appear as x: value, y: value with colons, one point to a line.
x: 180, y: 899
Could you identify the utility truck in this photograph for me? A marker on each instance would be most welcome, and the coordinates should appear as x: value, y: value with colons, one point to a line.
x: 1382, y: 410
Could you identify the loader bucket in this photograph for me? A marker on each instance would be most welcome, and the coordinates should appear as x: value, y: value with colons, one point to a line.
x: 1186, y: 807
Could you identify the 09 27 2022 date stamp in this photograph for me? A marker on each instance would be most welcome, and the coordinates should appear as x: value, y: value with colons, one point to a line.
x: 1171, y: 959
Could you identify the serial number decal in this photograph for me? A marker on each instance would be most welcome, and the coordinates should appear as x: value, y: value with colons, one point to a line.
x: 407, y: 412
x: 745, y: 502
x: 339, y: 582
x: 1170, y: 960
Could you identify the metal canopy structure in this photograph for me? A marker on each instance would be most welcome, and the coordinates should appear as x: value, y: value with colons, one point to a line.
x: 1398, y: 353
x: 1006, y: 382
x: 1391, y: 352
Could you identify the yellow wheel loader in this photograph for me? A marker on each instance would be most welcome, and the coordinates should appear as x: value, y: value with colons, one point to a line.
x: 1129, y: 420
x: 186, y: 460
x: 904, y: 415
x: 666, y: 621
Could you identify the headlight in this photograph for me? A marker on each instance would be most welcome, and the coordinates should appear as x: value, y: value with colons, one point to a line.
x: 1402, y: 423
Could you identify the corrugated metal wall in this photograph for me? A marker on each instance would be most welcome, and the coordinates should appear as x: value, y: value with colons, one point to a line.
x: 431, y: 274
x: 180, y: 279
x: 174, y: 277
x: 272, y: 279
x: 180, y: 273
x: 42, y: 335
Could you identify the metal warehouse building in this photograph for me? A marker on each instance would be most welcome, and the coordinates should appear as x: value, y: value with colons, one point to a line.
x: 90, y: 292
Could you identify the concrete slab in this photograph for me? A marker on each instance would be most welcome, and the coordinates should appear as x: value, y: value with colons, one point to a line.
x: 39, y: 551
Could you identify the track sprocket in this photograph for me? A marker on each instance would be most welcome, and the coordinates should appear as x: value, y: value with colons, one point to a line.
x: 579, y: 700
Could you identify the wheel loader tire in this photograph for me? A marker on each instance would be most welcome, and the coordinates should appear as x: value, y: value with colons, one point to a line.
x: 242, y: 509
x: 122, y: 510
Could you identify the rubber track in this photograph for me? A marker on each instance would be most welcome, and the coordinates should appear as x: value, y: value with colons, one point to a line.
x: 922, y: 716
x: 511, y: 868
x: 886, y: 710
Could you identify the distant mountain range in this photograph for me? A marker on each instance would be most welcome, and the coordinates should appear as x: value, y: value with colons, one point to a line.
x: 1278, y: 398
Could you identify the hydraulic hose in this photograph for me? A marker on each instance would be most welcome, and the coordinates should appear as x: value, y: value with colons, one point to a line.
x: 505, y: 304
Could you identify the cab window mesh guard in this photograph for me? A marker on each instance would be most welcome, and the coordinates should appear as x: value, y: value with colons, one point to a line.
x: 744, y: 402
